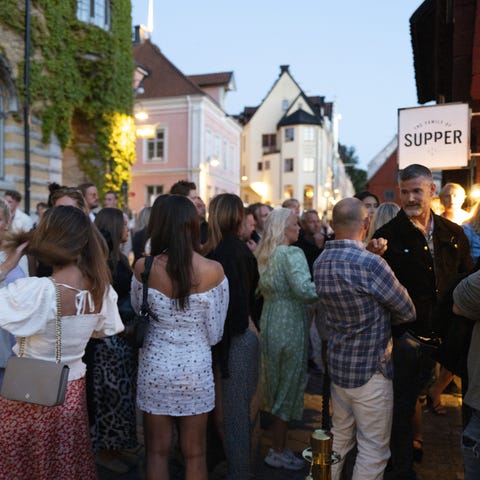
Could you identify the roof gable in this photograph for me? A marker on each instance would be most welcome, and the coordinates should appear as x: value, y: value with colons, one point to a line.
x: 165, y: 79
x: 286, y: 83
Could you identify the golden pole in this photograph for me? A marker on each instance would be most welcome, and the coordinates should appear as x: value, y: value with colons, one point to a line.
x: 322, y: 456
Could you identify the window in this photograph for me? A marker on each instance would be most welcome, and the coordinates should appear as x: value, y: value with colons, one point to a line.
x: 217, y: 147
x: 96, y: 12
x: 285, y: 103
x: 259, y: 166
x: 289, y: 134
x: 288, y: 165
x: 389, y: 195
x: 269, y: 142
x: 225, y: 155
x: 308, y: 194
x: 267, y: 164
x: 308, y: 134
x: 308, y: 164
x: 208, y: 144
x: 288, y: 191
x: 231, y: 157
x: 153, y: 191
x: 156, y: 147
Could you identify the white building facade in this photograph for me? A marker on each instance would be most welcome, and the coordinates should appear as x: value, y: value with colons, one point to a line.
x: 289, y: 149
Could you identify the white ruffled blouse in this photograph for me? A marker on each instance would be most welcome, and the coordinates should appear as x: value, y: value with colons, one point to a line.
x: 28, y: 308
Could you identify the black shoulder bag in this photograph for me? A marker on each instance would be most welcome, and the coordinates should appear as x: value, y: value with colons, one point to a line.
x: 138, y: 329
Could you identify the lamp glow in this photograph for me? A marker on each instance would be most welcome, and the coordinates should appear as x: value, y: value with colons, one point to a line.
x: 141, y: 115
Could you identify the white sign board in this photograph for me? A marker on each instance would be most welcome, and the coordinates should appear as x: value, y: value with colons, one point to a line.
x: 437, y: 136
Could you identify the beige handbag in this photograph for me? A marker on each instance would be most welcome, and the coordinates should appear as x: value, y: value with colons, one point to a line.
x: 37, y: 381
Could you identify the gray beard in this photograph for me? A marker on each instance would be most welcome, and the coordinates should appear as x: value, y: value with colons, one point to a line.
x: 413, y: 211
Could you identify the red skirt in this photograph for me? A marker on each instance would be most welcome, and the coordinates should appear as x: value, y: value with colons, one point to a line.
x: 46, y: 443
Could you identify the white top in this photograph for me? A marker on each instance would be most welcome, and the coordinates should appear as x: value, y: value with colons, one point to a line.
x: 175, y: 364
x: 21, y: 221
x: 28, y: 308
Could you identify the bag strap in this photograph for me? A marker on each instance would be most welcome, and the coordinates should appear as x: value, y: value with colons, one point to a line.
x: 58, y: 328
x: 144, y: 276
x: 145, y: 308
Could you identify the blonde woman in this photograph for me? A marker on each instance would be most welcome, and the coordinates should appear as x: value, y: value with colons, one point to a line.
x: 383, y: 214
x: 286, y: 286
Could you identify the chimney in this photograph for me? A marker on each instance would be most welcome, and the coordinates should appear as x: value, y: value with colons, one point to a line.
x: 139, y: 34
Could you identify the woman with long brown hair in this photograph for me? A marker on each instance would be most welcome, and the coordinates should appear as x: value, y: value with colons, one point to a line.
x: 112, y: 362
x: 236, y: 357
x: 188, y: 295
x: 53, y: 442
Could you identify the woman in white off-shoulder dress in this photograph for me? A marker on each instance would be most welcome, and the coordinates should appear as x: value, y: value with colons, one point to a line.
x: 189, y: 297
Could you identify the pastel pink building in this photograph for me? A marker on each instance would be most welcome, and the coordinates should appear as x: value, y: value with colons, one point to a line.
x: 190, y: 136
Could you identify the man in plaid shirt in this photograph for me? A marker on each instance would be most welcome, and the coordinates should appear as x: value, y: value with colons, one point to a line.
x: 361, y: 298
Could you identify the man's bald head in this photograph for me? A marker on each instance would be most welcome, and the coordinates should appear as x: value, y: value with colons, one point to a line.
x: 350, y: 219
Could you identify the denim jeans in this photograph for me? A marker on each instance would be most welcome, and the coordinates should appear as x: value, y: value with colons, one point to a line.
x: 413, y: 368
x: 471, y: 447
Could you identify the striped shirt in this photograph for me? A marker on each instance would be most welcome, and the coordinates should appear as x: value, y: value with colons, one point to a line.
x: 360, y: 298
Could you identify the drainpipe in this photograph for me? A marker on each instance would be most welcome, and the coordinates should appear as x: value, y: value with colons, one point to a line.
x: 26, y: 109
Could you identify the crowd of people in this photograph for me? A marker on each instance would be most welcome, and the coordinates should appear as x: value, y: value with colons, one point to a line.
x: 383, y: 299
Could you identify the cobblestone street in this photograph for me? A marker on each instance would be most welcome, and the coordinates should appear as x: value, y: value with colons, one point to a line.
x: 442, y: 458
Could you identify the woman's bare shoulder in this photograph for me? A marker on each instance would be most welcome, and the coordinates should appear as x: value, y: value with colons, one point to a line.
x: 138, y: 268
x: 209, y: 272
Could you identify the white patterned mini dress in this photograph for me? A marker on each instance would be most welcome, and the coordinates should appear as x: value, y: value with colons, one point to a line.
x: 175, y: 364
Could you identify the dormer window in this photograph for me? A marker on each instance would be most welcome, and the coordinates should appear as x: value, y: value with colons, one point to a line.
x: 96, y: 12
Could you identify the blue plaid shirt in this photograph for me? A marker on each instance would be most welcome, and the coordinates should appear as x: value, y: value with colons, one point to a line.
x: 360, y: 297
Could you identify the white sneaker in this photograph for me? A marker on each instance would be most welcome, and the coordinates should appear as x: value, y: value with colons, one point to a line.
x: 285, y: 459
x: 293, y: 458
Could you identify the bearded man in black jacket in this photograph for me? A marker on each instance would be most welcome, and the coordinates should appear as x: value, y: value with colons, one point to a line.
x: 426, y: 253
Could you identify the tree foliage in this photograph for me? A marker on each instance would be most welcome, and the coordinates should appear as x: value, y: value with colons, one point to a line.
x: 350, y: 158
x: 81, y: 84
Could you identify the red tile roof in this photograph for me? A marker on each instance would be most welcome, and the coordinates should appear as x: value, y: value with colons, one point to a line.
x: 212, y: 79
x: 165, y: 79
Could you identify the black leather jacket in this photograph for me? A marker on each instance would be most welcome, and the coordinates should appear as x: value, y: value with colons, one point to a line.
x: 425, y: 278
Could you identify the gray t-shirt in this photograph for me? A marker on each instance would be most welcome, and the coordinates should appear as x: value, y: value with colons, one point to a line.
x: 466, y: 298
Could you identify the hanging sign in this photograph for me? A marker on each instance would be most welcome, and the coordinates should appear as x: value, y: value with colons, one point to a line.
x: 437, y: 136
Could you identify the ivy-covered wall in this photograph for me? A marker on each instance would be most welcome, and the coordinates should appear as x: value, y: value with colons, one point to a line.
x: 81, y: 83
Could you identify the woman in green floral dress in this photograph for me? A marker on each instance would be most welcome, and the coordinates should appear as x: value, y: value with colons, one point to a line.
x: 286, y: 286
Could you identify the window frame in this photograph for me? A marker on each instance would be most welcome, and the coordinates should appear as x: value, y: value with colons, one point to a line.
x: 149, y: 141
x: 288, y: 165
x: 95, y: 12
x: 156, y: 191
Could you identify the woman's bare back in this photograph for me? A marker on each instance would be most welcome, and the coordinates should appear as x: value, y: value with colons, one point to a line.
x: 206, y: 274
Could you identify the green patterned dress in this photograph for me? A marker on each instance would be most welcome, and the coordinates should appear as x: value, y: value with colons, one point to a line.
x: 286, y: 287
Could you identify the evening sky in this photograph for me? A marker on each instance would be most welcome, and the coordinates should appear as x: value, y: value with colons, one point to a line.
x: 357, y: 54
